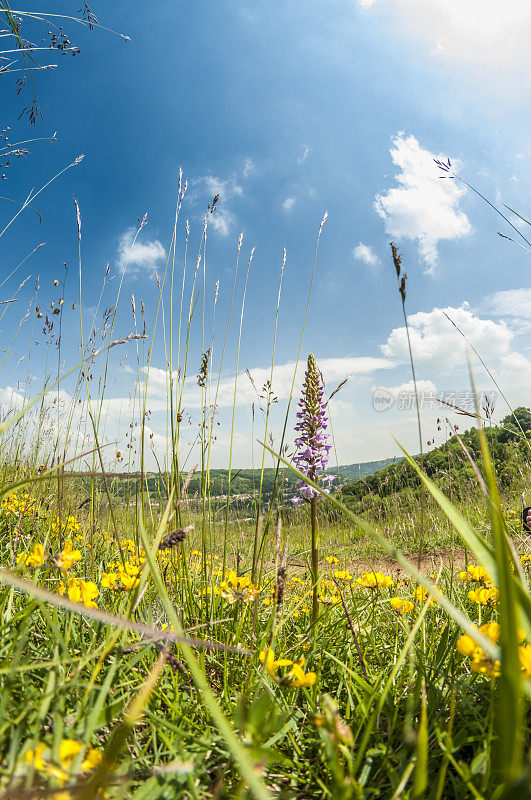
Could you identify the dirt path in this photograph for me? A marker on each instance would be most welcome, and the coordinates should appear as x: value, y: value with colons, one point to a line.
x: 429, y: 563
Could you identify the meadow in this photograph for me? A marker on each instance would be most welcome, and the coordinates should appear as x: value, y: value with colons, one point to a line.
x: 161, y: 643
x: 168, y: 630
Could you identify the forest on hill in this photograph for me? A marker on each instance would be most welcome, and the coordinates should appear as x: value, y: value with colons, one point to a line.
x: 449, y: 464
x: 243, y: 482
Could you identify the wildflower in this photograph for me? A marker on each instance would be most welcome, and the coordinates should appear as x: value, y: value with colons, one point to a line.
x: 466, y: 645
x: 68, y: 525
x: 400, y: 605
x: 238, y: 588
x: 89, y: 593
x: 129, y: 581
x: 123, y: 577
x: 328, y: 593
x: 129, y: 572
x: 329, y: 599
x: 480, y: 662
x: 14, y: 504
x: 295, y: 677
x: 69, y: 750
x: 298, y: 677
x: 68, y: 557
x: 486, y: 596
x: 312, y: 443
x: 331, y: 559
x: 109, y: 580
x: 420, y: 595
x: 267, y: 658
x: 80, y: 591
x: 524, y: 655
x: 342, y: 575
x: 34, y: 559
x: 478, y: 574
x: 374, y: 580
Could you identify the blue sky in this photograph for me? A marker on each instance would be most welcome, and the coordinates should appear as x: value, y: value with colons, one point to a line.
x: 288, y: 112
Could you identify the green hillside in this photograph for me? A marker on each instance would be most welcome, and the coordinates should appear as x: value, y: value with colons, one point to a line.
x: 349, y: 472
x: 449, y: 465
x: 243, y: 482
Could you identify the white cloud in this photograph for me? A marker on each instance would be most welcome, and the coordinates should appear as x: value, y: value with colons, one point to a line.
x: 422, y: 207
x: 306, y: 150
x: 206, y: 187
x: 436, y: 344
x: 485, y: 32
x: 248, y: 167
x: 422, y: 386
x: 510, y: 303
x: 402, y: 396
x: 288, y: 204
x: 140, y: 255
x: 514, y: 376
x: 222, y: 220
x: 334, y: 371
x: 341, y: 408
x: 365, y: 253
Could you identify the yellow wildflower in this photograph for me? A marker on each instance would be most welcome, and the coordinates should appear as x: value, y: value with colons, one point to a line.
x: 466, y: 645
x: 524, y: 654
x: 238, y: 587
x: 374, y: 580
x: 295, y: 677
x: 34, y: 559
x: 331, y: 559
x: 486, y: 596
x: 69, y: 750
x: 328, y: 593
x: 89, y: 593
x: 80, y: 591
x: 400, y: 605
x: 35, y: 757
x: 267, y: 658
x: 298, y: 677
x: 480, y: 662
x: 342, y: 575
x: 109, y: 580
x: 129, y: 581
x: 68, y: 557
x: 478, y: 574
x: 420, y: 595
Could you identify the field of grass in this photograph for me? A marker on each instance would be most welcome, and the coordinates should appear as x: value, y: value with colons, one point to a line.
x: 164, y: 642
x: 131, y: 669
x: 192, y: 633
x: 157, y: 644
